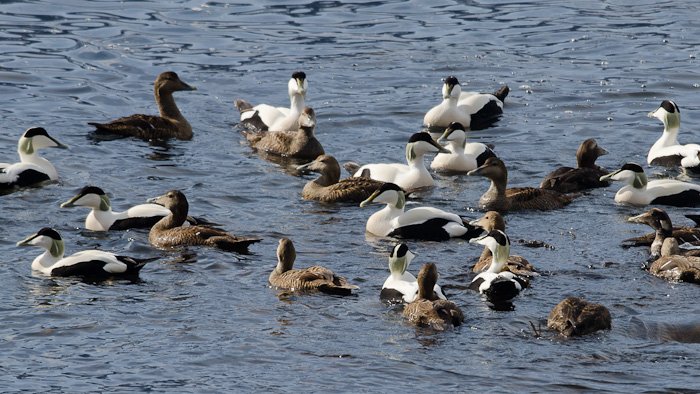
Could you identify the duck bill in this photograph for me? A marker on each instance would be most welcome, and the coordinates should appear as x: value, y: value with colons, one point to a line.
x: 26, y: 241
x: 58, y: 144
x: 156, y: 200
x: 71, y: 203
x: 602, y: 152
x: 370, y: 199
x: 439, y: 147
x: 477, y: 171
x: 477, y: 240
x: 445, y: 137
x: 609, y: 177
x: 642, y: 219
x: 186, y: 86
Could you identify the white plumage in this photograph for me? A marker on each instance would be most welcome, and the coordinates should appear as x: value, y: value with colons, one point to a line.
x: 400, y: 280
x: 640, y: 192
x: 463, y: 156
x: 282, y: 118
x: 32, y: 168
x: 666, y: 151
x: 498, y: 285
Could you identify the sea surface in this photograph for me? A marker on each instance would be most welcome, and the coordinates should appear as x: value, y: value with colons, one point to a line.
x: 201, y: 320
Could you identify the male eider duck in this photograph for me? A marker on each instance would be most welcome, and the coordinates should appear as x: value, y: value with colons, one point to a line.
x: 463, y: 156
x: 264, y: 117
x: 424, y: 223
x: 666, y: 151
x: 640, y: 192
x: 330, y: 188
x: 585, y: 176
x: 498, y: 198
x: 401, y: 286
x: 310, y: 278
x: 428, y: 309
x: 168, y: 232
x: 32, y: 168
x: 497, y: 285
x: 88, y: 263
x: 170, y: 123
x: 575, y: 316
x: 298, y: 144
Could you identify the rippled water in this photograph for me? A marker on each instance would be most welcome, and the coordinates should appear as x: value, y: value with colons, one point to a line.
x: 200, y: 320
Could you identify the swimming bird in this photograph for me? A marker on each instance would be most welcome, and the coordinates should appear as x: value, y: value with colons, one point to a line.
x: 640, y: 192
x: 666, y: 151
x: 170, y: 123
x: 585, y: 176
x: 88, y: 263
x: 464, y: 156
x: 499, y: 198
x: 575, y: 316
x: 310, y: 278
x: 428, y: 309
x: 330, y: 188
x: 299, y: 144
x: 277, y: 118
x: 425, y: 223
x: 659, y: 220
x: 684, y: 234
x: 401, y: 286
x: 168, y: 232
x: 32, y: 168
x: 499, y: 286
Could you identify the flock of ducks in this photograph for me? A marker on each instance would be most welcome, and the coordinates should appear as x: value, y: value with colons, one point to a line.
x: 289, y: 132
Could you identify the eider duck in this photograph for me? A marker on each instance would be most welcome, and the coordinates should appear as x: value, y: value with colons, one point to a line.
x: 471, y: 109
x: 497, y: 285
x: 168, y: 232
x: 498, y: 198
x: 659, y: 220
x: 330, y: 188
x: 575, y: 316
x: 674, y: 265
x: 463, y: 156
x: 401, y: 286
x: 87, y: 264
x: 298, y: 144
x: 428, y: 310
x: 666, y: 151
x: 263, y: 117
x: 170, y: 123
x: 32, y: 168
x: 424, y: 223
x: 310, y: 278
x: 640, y: 192
x: 585, y: 176
x: 684, y: 234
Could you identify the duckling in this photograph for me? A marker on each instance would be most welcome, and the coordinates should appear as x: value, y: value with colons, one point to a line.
x: 666, y: 151
x: 428, y: 309
x: 169, y: 233
x: 170, y: 123
x: 425, y: 223
x: 265, y: 117
x: 330, y: 188
x: 310, y: 278
x: 585, y: 176
x: 683, y: 234
x: 575, y: 316
x: 498, y: 198
x: 401, y: 286
x: 640, y: 192
x: 32, y: 168
x: 497, y: 285
x: 463, y: 156
x: 299, y: 144
x: 659, y: 220
x: 88, y: 263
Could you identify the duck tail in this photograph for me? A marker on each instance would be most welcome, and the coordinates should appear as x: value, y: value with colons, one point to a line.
x: 502, y: 93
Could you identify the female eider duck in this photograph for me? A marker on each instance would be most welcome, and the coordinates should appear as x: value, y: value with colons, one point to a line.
x: 310, y: 278
x: 32, y: 168
x: 88, y: 263
x: 640, y: 192
x: 499, y: 286
x: 264, y: 117
x: 666, y: 151
x: 401, y: 286
x: 424, y: 223
x: 330, y: 188
x: 463, y: 156
x: 298, y: 144
x: 499, y: 198
x: 170, y: 123
x: 575, y: 316
x: 585, y: 176
x: 428, y: 309
x: 684, y: 234
x: 168, y: 231
x: 659, y: 220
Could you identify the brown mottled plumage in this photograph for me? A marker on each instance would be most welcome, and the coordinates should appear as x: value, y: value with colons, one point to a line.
x: 428, y: 309
x: 300, y: 144
x: 682, y: 234
x: 168, y: 233
x: 330, y: 188
x: 170, y: 123
x: 575, y: 316
x: 311, y: 278
x: 585, y: 176
x: 674, y: 266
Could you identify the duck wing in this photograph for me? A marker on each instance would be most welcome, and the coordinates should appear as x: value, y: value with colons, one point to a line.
x: 350, y: 190
x: 535, y: 198
x: 21, y: 174
x: 277, y: 142
x: 138, y: 125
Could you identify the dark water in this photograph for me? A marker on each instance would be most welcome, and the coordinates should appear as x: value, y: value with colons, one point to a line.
x: 205, y: 321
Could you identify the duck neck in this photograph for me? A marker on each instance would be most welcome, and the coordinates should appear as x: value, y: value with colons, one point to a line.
x: 497, y: 188
x: 426, y: 292
x: 176, y: 218
x: 500, y: 257
x: 33, y: 158
x: 661, y: 235
x: 668, y: 138
x: 329, y: 176
x: 51, y: 256
x: 414, y: 159
x: 167, y: 107
x: 296, y: 104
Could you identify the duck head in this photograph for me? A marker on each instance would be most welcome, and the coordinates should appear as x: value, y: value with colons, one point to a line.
x: 307, y: 119
x: 286, y: 254
x: 588, y: 152
x: 297, y: 84
x: 492, y: 220
x: 493, y: 168
x: 174, y: 200
x: 399, y: 259
x: 451, y: 89
x: 421, y: 143
x: 388, y: 193
x: 630, y: 173
x: 655, y: 218
x: 668, y: 113
x: 427, y: 278
x: 169, y: 81
x: 498, y: 243
x: 46, y: 238
x: 322, y: 164
x: 454, y: 133
x: 89, y: 196
x: 36, y: 138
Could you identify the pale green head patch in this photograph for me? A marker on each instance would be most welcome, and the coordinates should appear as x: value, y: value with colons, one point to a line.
x: 26, y: 146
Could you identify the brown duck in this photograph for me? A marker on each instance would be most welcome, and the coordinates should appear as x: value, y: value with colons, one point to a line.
x: 575, y: 316
x: 428, y: 309
x: 170, y: 123
x: 684, y: 234
x: 330, y: 188
x: 299, y: 144
x: 585, y: 176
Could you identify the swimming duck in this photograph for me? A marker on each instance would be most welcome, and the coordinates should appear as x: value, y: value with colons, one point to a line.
x: 32, y: 168
x: 401, y: 286
x: 575, y: 316
x: 310, y: 278
x: 299, y: 144
x: 684, y: 234
x: 659, y: 220
x: 638, y: 191
x: 463, y: 156
x: 676, y: 265
x: 428, y: 309
x: 497, y: 285
x: 88, y: 263
x: 277, y: 118
x: 425, y: 223
x: 170, y: 123
x: 666, y: 151
x: 498, y: 198
x: 471, y: 109
x: 330, y: 188
x: 585, y: 176
x: 168, y: 232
